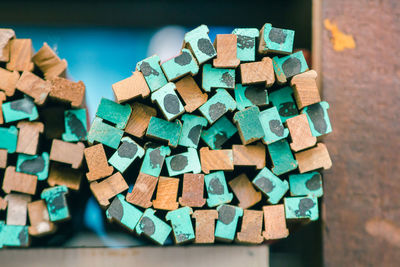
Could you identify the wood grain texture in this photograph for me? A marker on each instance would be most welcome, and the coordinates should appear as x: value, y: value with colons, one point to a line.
x: 5, y: 36
x: 2, y: 98
x: 21, y: 51
x: 305, y: 89
x: 8, y: 81
x: 39, y: 219
x: 3, y: 158
x: 34, y: 86
x: 191, y: 93
x: 139, y: 119
x: 70, y: 153
x: 60, y: 174
x: 258, y: 72
x: 96, y: 161
x: 17, y: 208
x: 252, y: 224
x: 205, y: 226
x: 300, y: 132
x: 19, y: 182
x: 142, y: 191
x: 131, y: 87
x: 167, y: 192
x: 314, y: 158
x: 216, y: 159
x: 193, y: 190
x: 250, y: 155
x: 3, y: 204
x: 49, y: 63
x: 108, y: 188
x: 245, y: 191
x: 68, y: 91
x: 274, y: 222
x: 28, y: 136
x: 226, y: 46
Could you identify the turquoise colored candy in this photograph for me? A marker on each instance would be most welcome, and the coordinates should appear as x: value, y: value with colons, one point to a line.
x: 168, y: 101
x: 250, y: 95
x: 37, y: 165
x: 183, y: 163
x: 219, y: 133
x: 283, y: 100
x: 164, y: 130
x: 181, y: 65
x: 217, y: 106
x: 277, y: 40
x: 306, y: 184
x: 56, y: 203
x: 273, y: 187
x: 301, y: 208
x: 249, y: 125
x: 127, y: 152
x: 191, y: 130
x: 20, y: 109
x: 153, y: 227
x: 281, y: 157
x: 318, y: 119
x: 200, y: 44
x: 75, y: 125
x: 152, y: 73
x: 217, y: 189
x: 13, y: 235
x: 246, y: 43
x: 154, y: 160
x: 124, y: 212
x: 289, y: 66
x: 228, y: 217
x: 104, y: 133
x: 217, y: 78
x: 9, y: 138
x: 181, y: 224
x: 113, y: 112
x: 272, y: 126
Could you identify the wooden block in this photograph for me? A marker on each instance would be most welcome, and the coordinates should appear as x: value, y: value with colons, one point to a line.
x: 113, y: 112
x: 250, y: 155
x: 249, y: 125
x: 61, y: 174
x: 272, y: 125
x: 190, y: 93
x: 28, y: 137
x: 19, y: 109
x: 226, y: 46
x: 217, y: 189
x: 3, y: 204
x: 17, y: 208
x: 217, y: 78
x: 153, y: 227
x: 65, y: 152
x: 306, y: 184
x: 151, y: 70
x: 289, y: 66
x: 34, y: 86
x: 142, y: 191
x: 96, y: 161
x: 275, y: 40
x: 49, y: 63
x: 191, y: 130
x: 269, y: 184
x: 124, y: 213
x: 39, y: 219
x: 216, y: 159
x: 220, y: 132
x: 68, y: 91
x: 305, y: 88
x: 199, y: 43
x: 108, y: 188
x: 283, y: 100
x: 183, y: 163
x: 205, y: 226
x: 56, y: 202
x: 228, y: 217
x: 21, y: 51
x: 246, y: 43
x: 281, y: 157
x: 139, y: 119
x: 13, y: 235
x: 75, y: 122
x: 318, y: 119
x: 9, y: 138
x: 180, y: 66
x: 181, y: 225
x: 314, y: 158
x: 217, y: 106
x: 19, y: 182
x: 167, y: 191
x: 104, y: 133
x: 260, y: 72
x: 164, y: 130
x: 34, y: 164
x: 154, y: 160
x: 8, y: 81
x: 301, y: 208
x: 131, y: 87
x: 193, y: 190
x: 300, y: 133
x: 2, y: 98
x: 252, y: 224
x: 5, y: 37
x: 250, y: 95
x: 168, y: 101
x: 244, y: 191
x: 3, y: 159
x: 127, y: 152
x: 274, y: 222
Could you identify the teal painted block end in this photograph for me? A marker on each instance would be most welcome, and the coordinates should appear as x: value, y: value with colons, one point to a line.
x: 269, y: 184
x: 318, y: 118
x: 75, y: 125
x: 228, y: 217
x: 217, y: 78
x: 276, y: 40
x: 217, y: 106
x: 9, y: 138
x: 250, y: 95
x: 246, y: 43
x: 217, y: 189
x: 153, y: 227
x: 289, y: 66
x: 168, y: 101
x: 220, y: 132
x: 191, y: 130
x: 13, y: 235
x: 200, y: 44
x: 282, y: 157
x: 104, y: 133
x: 37, y: 165
x: 179, y: 66
x: 152, y: 73
x: 126, y: 154
x: 272, y: 126
x: 113, y: 112
x: 283, y: 100
x: 306, y: 184
x: 181, y: 224
x: 249, y: 125
x: 124, y: 213
x: 20, y: 109
x: 154, y: 160
x: 303, y: 208
x: 183, y: 163
x: 56, y: 202
x: 165, y: 130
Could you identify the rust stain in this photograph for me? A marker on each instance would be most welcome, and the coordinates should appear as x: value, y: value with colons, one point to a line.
x: 385, y: 230
x: 339, y: 40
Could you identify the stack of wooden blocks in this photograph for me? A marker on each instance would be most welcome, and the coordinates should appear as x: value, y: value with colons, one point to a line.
x: 213, y: 136
x: 41, y: 112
